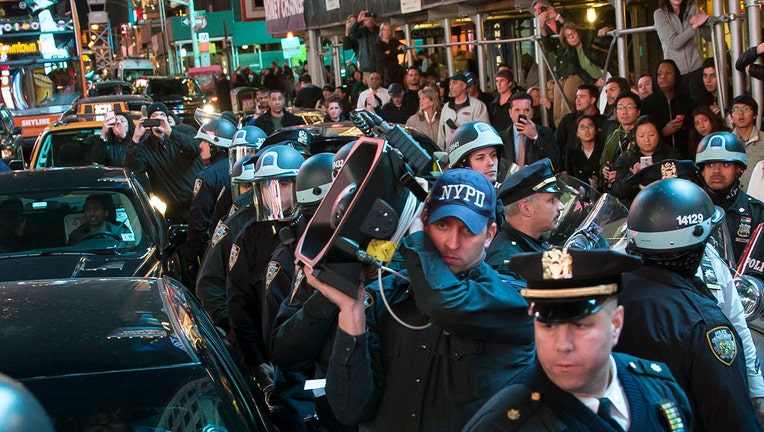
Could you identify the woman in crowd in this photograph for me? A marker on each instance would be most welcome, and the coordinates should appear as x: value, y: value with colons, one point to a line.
x: 677, y: 22
x: 649, y: 150
x: 386, y: 51
x: 333, y: 110
x: 116, y: 135
x: 704, y: 121
x: 583, y: 160
x: 427, y: 118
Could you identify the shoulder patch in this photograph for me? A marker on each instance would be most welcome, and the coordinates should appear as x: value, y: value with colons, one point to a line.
x: 271, y: 272
x: 233, y: 210
x: 197, y: 185
x: 222, y: 191
x: 368, y: 299
x: 722, y: 343
x: 299, y: 275
x: 233, y: 257
x: 221, y: 230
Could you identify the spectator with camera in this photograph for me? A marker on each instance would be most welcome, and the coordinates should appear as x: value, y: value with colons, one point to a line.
x: 166, y: 162
x: 365, y: 33
x: 524, y: 141
x: 117, y: 133
x: 476, y: 336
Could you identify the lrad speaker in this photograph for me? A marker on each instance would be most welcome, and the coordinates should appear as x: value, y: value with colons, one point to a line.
x: 363, y: 204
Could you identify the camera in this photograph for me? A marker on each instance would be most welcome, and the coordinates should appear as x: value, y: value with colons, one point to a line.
x: 544, y: 9
x: 149, y: 123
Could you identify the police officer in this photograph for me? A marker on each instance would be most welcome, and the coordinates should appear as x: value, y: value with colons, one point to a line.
x: 215, y: 139
x: 247, y: 141
x: 531, y: 206
x: 576, y: 382
x: 304, y: 328
x: 715, y: 274
x: 722, y: 160
x: 387, y: 376
x: 275, y: 208
x: 210, y: 282
x: 476, y: 145
x: 669, y: 320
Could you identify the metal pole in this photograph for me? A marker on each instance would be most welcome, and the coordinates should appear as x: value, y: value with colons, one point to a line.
x: 736, y: 47
x: 478, y: 20
x: 192, y: 24
x: 620, y: 24
x: 449, y: 54
x: 336, y: 47
x: 315, y: 65
x: 78, y: 41
x: 542, y: 66
x: 165, y: 40
x: 720, y: 56
x: 412, y: 53
x: 753, y: 10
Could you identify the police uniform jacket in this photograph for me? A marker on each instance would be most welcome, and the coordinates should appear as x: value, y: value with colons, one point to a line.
x: 247, y: 264
x: 207, y: 186
x: 224, y: 207
x: 743, y: 213
x: 171, y: 165
x: 667, y: 320
x: 392, y: 378
x: 265, y: 121
x: 509, y: 242
x: 534, y: 403
x: 210, y: 281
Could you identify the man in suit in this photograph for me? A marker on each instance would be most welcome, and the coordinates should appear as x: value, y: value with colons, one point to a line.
x: 524, y: 141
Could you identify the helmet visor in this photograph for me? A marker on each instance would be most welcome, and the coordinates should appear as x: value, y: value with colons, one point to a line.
x: 275, y: 199
x: 237, y: 152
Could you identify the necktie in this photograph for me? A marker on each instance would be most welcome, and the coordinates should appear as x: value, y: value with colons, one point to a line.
x: 521, y: 151
x: 604, y: 412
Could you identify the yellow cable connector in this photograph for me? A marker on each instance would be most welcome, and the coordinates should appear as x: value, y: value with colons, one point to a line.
x: 381, y: 250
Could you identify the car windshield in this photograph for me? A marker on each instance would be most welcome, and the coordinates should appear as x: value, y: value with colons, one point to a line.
x: 68, y: 147
x: 179, y: 87
x: 74, y: 222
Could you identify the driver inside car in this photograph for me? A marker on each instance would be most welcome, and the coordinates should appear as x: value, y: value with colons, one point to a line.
x: 96, y: 213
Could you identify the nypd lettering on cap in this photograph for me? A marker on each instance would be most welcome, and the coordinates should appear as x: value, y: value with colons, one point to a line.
x: 462, y: 192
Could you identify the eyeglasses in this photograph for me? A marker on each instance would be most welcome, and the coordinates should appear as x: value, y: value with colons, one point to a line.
x: 571, y: 35
x: 626, y: 107
x: 744, y: 109
x: 584, y: 127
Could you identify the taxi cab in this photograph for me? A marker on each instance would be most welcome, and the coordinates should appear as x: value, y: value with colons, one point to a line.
x: 66, y: 143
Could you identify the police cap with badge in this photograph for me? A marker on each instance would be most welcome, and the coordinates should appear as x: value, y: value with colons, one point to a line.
x: 668, y: 168
x: 568, y: 285
x: 537, y: 177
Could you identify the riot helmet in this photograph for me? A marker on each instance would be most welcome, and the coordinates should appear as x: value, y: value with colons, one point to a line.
x: 671, y: 216
x: 340, y: 156
x: 274, y: 183
x: 219, y: 132
x: 470, y: 137
x: 721, y: 147
x: 246, y: 141
x: 313, y: 181
x: 242, y: 174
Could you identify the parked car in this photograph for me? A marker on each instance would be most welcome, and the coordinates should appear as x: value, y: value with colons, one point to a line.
x: 11, y: 141
x: 66, y: 143
x: 181, y: 94
x: 124, y: 354
x: 110, y: 87
x: 41, y: 209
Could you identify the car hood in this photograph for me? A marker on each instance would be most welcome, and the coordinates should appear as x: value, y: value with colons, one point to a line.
x: 56, y: 266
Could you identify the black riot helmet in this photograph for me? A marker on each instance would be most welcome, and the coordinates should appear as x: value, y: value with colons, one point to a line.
x: 671, y: 216
x: 21, y: 411
x: 340, y: 156
x: 313, y: 181
x: 219, y: 132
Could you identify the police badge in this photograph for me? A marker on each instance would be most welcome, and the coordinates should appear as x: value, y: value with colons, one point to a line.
x: 557, y: 264
x: 668, y: 170
x: 233, y: 257
x: 722, y: 343
x: 197, y: 186
x: 221, y: 230
x: 270, y: 273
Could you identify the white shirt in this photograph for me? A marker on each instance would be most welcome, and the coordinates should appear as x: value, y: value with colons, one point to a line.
x: 382, y: 93
x: 619, y: 409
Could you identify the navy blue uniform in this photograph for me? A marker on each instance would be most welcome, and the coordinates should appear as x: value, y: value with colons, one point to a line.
x: 667, y: 320
x: 509, y: 242
x: 534, y: 403
x: 393, y: 378
x: 210, y: 282
x: 210, y: 181
x: 224, y: 207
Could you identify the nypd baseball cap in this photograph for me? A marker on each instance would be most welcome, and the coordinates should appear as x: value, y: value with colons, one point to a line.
x: 464, y: 194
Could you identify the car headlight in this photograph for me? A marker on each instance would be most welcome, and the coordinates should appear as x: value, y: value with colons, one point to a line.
x: 750, y: 290
x: 209, y: 108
